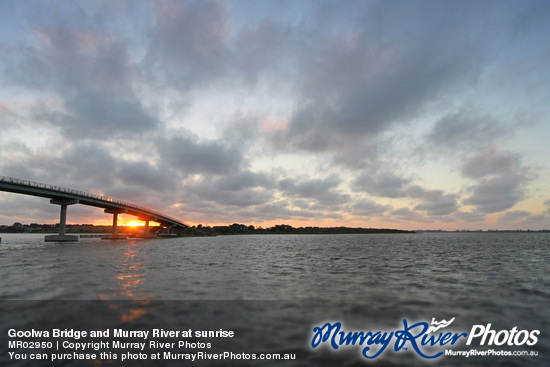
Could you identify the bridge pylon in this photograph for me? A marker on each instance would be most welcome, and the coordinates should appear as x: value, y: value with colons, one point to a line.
x: 146, y: 233
x: 114, y: 234
x: 62, y: 237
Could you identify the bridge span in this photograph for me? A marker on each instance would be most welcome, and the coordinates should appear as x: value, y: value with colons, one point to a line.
x: 65, y: 197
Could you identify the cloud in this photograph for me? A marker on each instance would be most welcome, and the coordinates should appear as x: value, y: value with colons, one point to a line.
x: 496, y: 194
x: 358, y: 85
x: 308, y: 188
x: 281, y: 210
x: 323, y: 191
x: 93, y: 168
x: 383, y: 184
x: 237, y: 198
x: 536, y: 221
x: 240, y: 189
x: 270, y: 52
x: 87, y: 71
x: 97, y: 115
x: 502, y: 180
x: 470, y: 216
x: 188, y: 156
x: 9, y: 119
x: 435, y: 202
x: 188, y: 43
x: 143, y: 175
x: 369, y: 208
x: 500, y: 176
x: 490, y: 162
x: 76, y: 164
x: 386, y: 184
x: 243, y: 180
x: 295, y: 110
x: 465, y: 130
x: 514, y: 215
x: 406, y: 214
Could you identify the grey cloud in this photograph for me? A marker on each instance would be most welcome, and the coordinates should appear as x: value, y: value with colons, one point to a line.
x: 14, y: 155
x: 490, y: 162
x: 324, y: 191
x: 498, y: 193
x: 307, y: 188
x: 243, y: 180
x: 464, y: 128
x: 408, y: 215
x: 72, y: 48
x: 360, y: 86
x: 280, y: 210
x: 534, y: 16
x: 189, y: 156
x: 514, y: 215
x: 500, y: 175
x: 302, y: 204
x: 501, y: 180
x: 87, y: 164
x: 90, y: 73
x: 95, y: 115
x: 383, y: 184
x: 470, y: 216
x: 188, y: 42
x: 74, y: 167
x: 256, y: 62
x: 240, y: 199
x: 242, y: 130
x: 9, y: 119
x: 240, y: 189
x: 369, y: 208
x: 436, y: 203
x: 144, y: 175
x: 534, y: 221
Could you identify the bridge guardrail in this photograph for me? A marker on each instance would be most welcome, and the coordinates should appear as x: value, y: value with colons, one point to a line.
x: 60, y: 189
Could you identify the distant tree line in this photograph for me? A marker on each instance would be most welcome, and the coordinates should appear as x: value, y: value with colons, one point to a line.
x: 199, y: 230
x: 236, y: 228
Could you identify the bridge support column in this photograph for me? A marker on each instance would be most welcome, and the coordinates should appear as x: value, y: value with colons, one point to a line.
x: 146, y: 233
x: 114, y: 235
x: 62, y: 237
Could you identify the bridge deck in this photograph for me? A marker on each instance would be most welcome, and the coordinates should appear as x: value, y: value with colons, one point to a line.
x: 15, y: 185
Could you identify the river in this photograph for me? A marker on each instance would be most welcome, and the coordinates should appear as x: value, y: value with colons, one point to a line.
x: 272, y: 290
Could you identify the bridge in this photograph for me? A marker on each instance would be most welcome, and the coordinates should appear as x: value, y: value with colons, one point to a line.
x: 65, y: 197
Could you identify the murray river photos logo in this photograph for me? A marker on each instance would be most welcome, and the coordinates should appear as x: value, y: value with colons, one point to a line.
x: 428, y: 341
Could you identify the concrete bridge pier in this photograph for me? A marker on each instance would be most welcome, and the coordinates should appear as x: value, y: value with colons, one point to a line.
x: 146, y: 233
x: 62, y: 237
x: 114, y: 235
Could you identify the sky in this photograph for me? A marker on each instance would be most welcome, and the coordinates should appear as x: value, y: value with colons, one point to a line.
x: 385, y: 114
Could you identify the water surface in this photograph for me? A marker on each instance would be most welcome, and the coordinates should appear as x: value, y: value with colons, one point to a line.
x: 284, y: 284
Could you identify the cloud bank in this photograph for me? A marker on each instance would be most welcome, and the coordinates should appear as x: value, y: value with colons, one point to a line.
x: 420, y: 114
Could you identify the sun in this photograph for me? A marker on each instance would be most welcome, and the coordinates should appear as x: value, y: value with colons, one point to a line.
x: 135, y: 224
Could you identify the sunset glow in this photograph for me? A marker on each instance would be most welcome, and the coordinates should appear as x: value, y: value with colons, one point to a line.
x: 135, y: 224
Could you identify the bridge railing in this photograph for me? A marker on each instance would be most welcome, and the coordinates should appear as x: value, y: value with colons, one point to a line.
x: 85, y: 194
